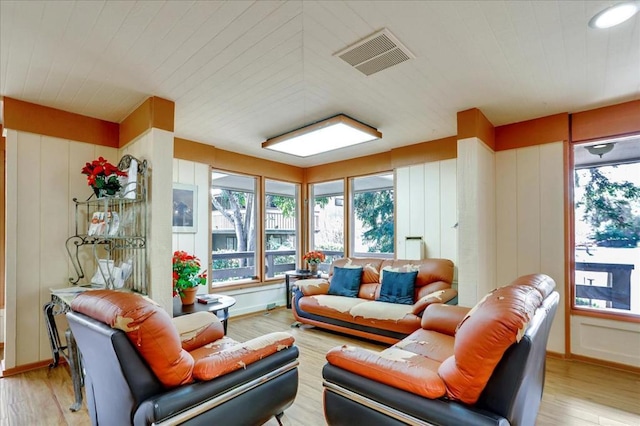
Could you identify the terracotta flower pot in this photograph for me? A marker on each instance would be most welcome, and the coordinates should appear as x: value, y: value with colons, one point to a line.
x: 188, y: 296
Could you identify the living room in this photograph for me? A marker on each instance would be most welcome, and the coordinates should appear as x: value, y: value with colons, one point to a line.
x: 490, y: 197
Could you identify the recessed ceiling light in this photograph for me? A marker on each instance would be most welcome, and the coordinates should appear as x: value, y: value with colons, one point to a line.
x: 614, y: 15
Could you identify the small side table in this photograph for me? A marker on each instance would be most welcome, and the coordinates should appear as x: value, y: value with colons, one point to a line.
x: 223, y: 305
x: 300, y: 275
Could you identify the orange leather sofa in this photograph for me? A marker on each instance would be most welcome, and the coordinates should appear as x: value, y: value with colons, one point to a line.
x: 480, y: 366
x: 143, y: 367
x: 363, y: 315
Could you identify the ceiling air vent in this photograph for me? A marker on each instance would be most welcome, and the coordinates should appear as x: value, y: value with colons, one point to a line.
x: 375, y: 53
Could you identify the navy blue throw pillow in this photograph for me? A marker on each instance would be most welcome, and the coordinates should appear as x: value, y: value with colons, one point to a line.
x: 345, y: 281
x: 397, y: 287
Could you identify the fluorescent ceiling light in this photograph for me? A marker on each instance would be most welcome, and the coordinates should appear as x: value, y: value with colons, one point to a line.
x: 614, y: 15
x: 336, y: 132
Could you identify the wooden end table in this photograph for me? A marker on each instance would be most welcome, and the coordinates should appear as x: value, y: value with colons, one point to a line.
x: 219, y: 309
x: 300, y: 275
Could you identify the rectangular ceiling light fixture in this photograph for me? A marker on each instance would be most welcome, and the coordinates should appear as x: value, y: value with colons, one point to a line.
x: 332, y: 133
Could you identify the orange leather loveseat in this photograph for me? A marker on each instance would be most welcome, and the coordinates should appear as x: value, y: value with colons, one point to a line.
x: 364, y: 313
x: 480, y: 366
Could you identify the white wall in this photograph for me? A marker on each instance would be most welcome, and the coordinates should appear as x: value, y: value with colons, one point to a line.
x: 476, y: 221
x: 604, y: 339
x: 426, y: 206
x: 156, y: 146
x: 43, y: 175
x: 198, y: 243
x: 530, y: 220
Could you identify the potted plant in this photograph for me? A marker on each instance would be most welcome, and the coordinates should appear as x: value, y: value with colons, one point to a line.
x: 102, y: 176
x: 313, y: 258
x: 187, y: 276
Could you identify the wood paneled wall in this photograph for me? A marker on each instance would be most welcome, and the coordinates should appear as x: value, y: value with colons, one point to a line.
x: 198, y: 243
x: 530, y: 220
x: 426, y: 206
x: 43, y: 175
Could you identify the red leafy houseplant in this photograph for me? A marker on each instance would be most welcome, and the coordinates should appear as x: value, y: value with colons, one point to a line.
x: 186, y: 272
x: 102, y: 176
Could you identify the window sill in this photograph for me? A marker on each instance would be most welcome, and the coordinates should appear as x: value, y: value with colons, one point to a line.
x: 604, y: 314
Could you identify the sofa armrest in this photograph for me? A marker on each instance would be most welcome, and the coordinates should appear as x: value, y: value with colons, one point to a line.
x: 313, y: 287
x: 443, y: 318
x: 393, y: 367
x: 198, y: 329
x: 440, y: 296
x: 241, y: 355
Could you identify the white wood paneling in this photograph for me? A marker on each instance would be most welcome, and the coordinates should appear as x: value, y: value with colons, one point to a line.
x: 29, y: 272
x: 403, y: 209
x: 609, y: 340
x: 198, y: 243
x: 243, y: 71
x: 486, y: 211
x: 426, y: 208
x: 449, y: 212
x: 477, y: 221
x: 43, y: 175
x: 552, y: 232
x: 528, y: 206
x: 506, y: 216
x: 431, y: 209
x: 530, y: 220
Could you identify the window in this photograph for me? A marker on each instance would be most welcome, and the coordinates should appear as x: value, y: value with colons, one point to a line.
x: 606, y: 226
x: 371, y: 224
x: 281, y: 224
x: 233, y: 216
x: 327, y: 220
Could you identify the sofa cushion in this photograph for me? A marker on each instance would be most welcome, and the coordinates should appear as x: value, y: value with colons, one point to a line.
x: 393, y: 366
x: 345, y: 281
x: 397, y: 287
x: 239, y: 356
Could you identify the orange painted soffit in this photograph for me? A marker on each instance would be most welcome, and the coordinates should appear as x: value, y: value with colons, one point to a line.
x: 234, y: 162
x: 42, y: 120
x: 553, y: 128
x: 615, y: 120
x: 425, y: 152
x: 472, y: 123
x: 154, y: 112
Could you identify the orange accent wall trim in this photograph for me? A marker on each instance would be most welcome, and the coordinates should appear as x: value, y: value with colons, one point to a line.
x: 33, y: 118
x: 28, y: 367
x: 425, y: 152
x: 614, y: 120
x: 154, y: 112
x: 553, y: 128
x: 473, y: 123
x: 348, y: 168
x: 3, y: 145
x: 233, y: 162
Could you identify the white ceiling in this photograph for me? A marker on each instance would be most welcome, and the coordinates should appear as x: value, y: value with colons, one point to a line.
x: 241, y: 72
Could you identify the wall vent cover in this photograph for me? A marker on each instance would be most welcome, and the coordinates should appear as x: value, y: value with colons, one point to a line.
x: 375, y: 53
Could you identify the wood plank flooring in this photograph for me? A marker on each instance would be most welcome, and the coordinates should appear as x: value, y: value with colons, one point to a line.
x: 575, y: 393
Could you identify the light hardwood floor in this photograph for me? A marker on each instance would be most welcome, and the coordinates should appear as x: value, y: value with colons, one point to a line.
x: 575, y: 393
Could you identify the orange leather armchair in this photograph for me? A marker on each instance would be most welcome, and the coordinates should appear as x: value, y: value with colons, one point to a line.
x: 143, y: 367
x: 480, y: 366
